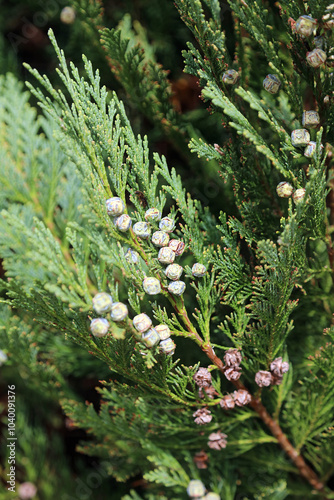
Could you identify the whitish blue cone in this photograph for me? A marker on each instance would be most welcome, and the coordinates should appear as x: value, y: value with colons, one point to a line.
x: 152, y: 214
x: 174, y: 271
x: 177, y: 287
x: 152, y: 286
x: 196, y: 488
x: 118, y: 312
x: 142, y: 322
x: 99, y: 327
x: 160, y: 239
x: 123, y: 223
x: 102, y: 302
x: 167, y: 224
x: 198, y: 270
x: 299, y: 195
x: 132, y: 256
x: 167, y: 346
x: 115, y: 206
x: 163, y: 331
x: 150, y: 338
x: 142, y: 230
x: 166, y: 255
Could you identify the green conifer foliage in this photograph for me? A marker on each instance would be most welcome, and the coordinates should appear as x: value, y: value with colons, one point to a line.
x: 245, y: 403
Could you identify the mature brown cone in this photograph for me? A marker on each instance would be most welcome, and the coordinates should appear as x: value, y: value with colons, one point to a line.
x: 232, y: 357
x: 202, y: 416
x: 263, y: 378
x: 233, y: 373
x: 217, y: 440
x: 227, y: 403
x: 202, y: 377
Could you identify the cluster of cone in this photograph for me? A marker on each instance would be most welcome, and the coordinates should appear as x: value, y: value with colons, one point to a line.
x: 278, y: 367
x: 232, y: 372
x: 103, y: 304
x: 169, y: 249
x: 306, y: 27
x: 151, y: 336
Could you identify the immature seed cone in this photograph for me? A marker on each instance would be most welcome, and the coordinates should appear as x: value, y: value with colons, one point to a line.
x: 118, y: 312
x: 166, y: 255
x: 279, y: 367
x: 271, y: 84
x: 242, y: 397
x: 233, y: 373
x: 150, y: 338
x: 230, y: 77
x: 142, y: 322
x: 99, y: 327
x: 202, y: 416
x: 167, y: 346
x: 151, y: 285
x: 298, y: 195
x: 160, y: 239
x: 311, y: 150
x: 167, y: 224
x: 209, y: 391
x: 232, y: 357
x: 196, y: 488
x: 217, y: 440
x: 316, y: 58
x: 263, y: 378
x: 142, y: 230
x: 310, y: 119
x: 202, y: 377
x: 174, y: 271
x: 284, y: 189
x: 177, y: 246
x: 201, y: 458
x: 102, y: 302
x: 177, y: 287
x: 300, y: 137
x: 115, y: 206
x: 227, y: 403
x: 123, y: 223
x: 163, y: 331
x: 152, y: 214
x: 132, y: 256
x: 305, y: 25
x: 198, y: 270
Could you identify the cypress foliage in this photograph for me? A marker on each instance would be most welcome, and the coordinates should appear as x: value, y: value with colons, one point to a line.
x: 245, y: 403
